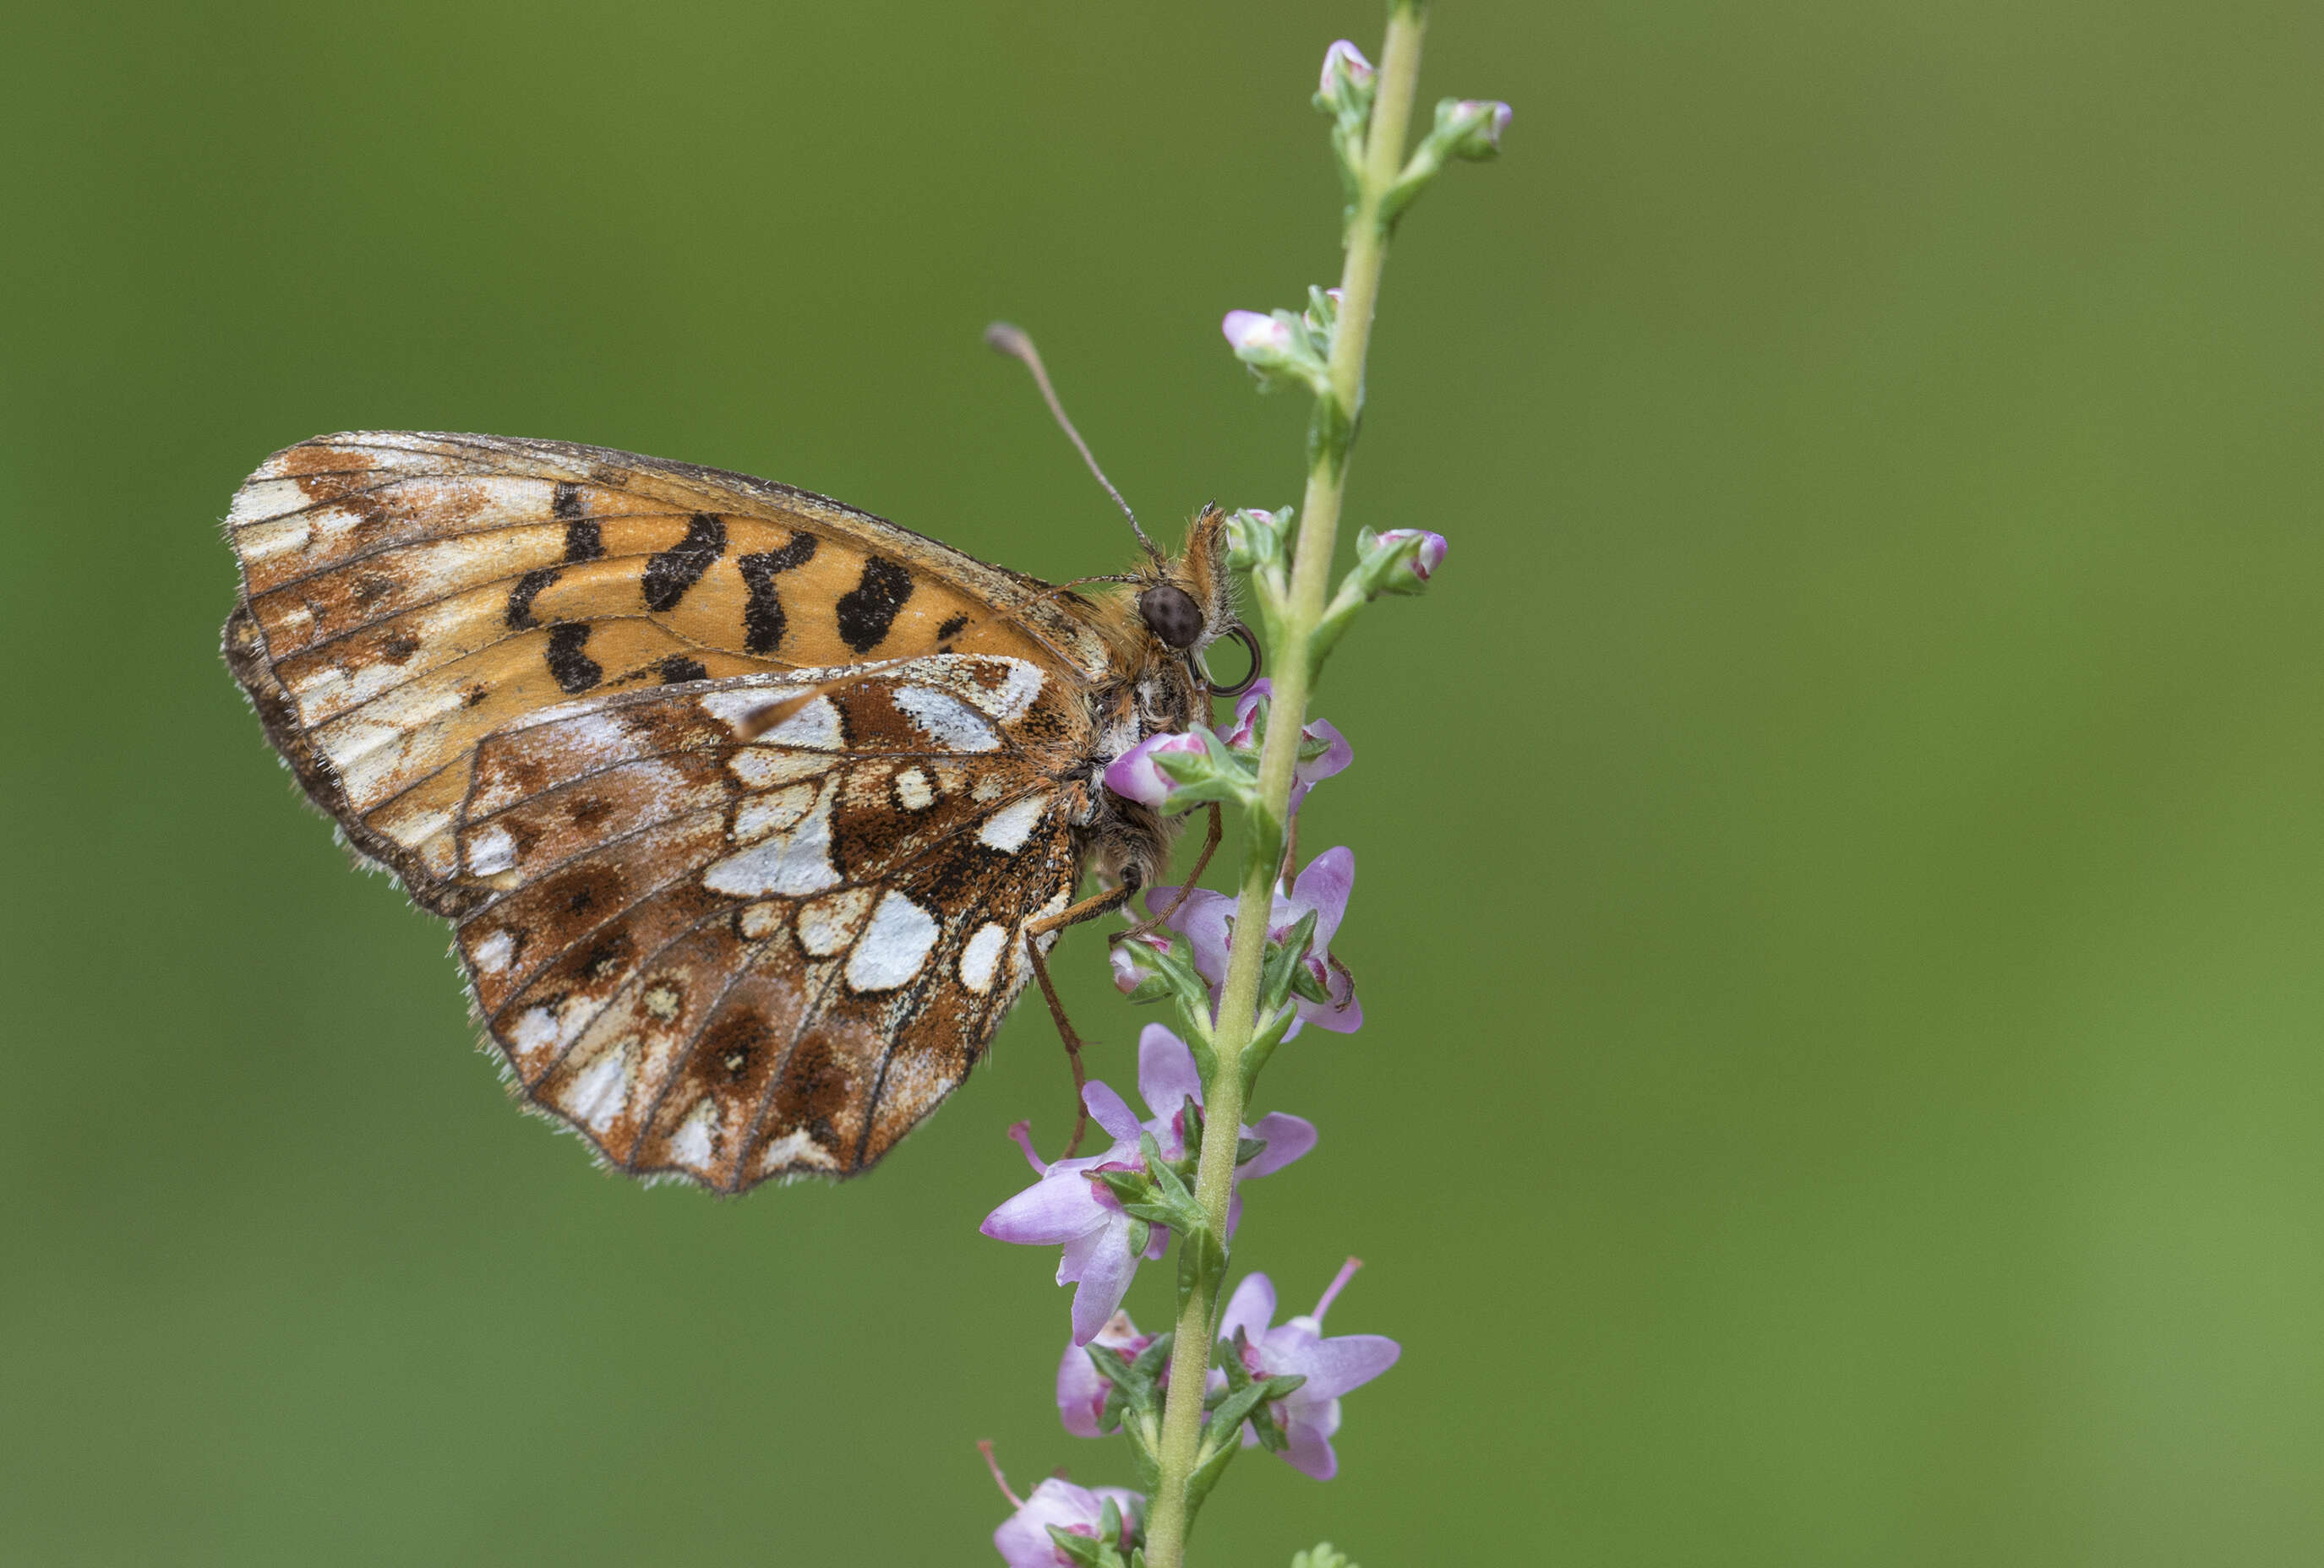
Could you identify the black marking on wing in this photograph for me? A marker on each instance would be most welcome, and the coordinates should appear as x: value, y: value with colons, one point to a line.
x: 677, y: 667
x: 952, y: 628
x: 565, y: 501
x: 670, y: 572
x: 763, y: 619
x: 583, y: 541
x: 528, y: 588
x: 869, y: 608
x: 575, y: 672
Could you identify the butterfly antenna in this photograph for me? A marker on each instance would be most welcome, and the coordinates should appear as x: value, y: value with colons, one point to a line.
x: 1013, y: 342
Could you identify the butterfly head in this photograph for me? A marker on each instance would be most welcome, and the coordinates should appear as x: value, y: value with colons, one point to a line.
x: 1187, y: 603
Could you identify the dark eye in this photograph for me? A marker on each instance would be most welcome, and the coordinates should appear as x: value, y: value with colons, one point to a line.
x: 1170, y: 613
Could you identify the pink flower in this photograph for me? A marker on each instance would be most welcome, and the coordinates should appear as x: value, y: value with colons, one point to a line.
x: 1067, y: 1208
x: 1133, y: 775
x: 1132, y: 966
x: 1166, y: 1080
x: 1424, y: 560
x: 1310, y: 1414
x: 1250, y: 333
x: 1343, y: 60
x: 1024, y: 1541
x: 1305, y: 775
x: 1082, y: 1388
x: 1206, y: 919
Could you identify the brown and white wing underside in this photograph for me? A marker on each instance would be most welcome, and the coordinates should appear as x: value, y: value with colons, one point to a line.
x: 726, y: 958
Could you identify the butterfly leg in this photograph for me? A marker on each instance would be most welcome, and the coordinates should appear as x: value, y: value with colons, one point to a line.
x: 1216, y: 832
x: 1090, y: 908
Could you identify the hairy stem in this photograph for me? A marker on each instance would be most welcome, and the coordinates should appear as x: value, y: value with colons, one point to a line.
x: 1294, y: 675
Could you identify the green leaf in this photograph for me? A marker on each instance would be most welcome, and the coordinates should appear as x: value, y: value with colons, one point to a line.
x: 1284, y: 963
x: 1201, y: 1261
x: 1087, y: 1551
x: 1262, y: 1046
x: 1220, y: 774
x: 1306, y: 988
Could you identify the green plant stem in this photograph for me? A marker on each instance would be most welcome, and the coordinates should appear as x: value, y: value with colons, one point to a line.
x: 1311, y: 570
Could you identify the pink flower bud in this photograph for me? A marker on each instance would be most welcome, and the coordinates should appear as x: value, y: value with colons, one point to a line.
x: 1344, y: 58
x: 1424, y: 560
x: 1251, y: 332
x: 1082, y: 1388
x: 1025, y: 1542
x: 1483, y: 138
x: 1131, y: 962
x: 1133, y: 777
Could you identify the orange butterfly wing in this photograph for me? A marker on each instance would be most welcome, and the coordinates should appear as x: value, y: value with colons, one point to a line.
x: 406, y: 594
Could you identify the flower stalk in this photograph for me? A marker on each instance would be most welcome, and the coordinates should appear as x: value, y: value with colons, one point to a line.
x: 1339, y: 405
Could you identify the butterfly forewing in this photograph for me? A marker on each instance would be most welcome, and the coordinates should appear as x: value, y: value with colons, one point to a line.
x: 407, y: 595
x: 742, y: 800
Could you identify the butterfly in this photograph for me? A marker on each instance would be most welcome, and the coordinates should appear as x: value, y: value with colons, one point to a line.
x: 752, y: 813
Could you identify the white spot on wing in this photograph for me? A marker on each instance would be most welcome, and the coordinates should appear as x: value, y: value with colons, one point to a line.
x: 598, y: 1094
x: 948, y: 721
x: 732, y: 708
x: 912, y: 788
x: 793, y: 864
x: 268, y: 509
x: 893, y: 947
x: 982, y: 956
x: 778, y: 811
x: 1009, y: 828
x: 493, y: 954
x: 492, y: 852
x: 537, y: 1030
x: 827, y: 924
x: 1014, y: 695
x: 333, y: 524
x: 795, y: 1149
x: 765, y: 766
x: 814, y: 725
x: 696, y: 1140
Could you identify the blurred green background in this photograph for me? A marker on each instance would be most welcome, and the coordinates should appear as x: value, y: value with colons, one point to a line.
x: 1839, y: 910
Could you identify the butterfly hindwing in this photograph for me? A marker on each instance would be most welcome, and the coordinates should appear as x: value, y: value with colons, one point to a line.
x: 728, y: 955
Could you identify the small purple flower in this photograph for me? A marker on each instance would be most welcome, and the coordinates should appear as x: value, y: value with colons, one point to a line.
x: 1310, y: 1413
x: 1025, y: 1542
x: 1082, y: 1388
x: 1167, y: 1079
x: 1207, y: 920
x: 1067, y: 1208
x: 1133, y: 775
x: 1253, y: 333
x: 1305, y: 775
x: 1424, y: 560
x: 1344, y: 58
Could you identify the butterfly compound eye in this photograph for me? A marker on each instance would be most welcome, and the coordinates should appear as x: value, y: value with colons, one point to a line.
x: 1170, y: 614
